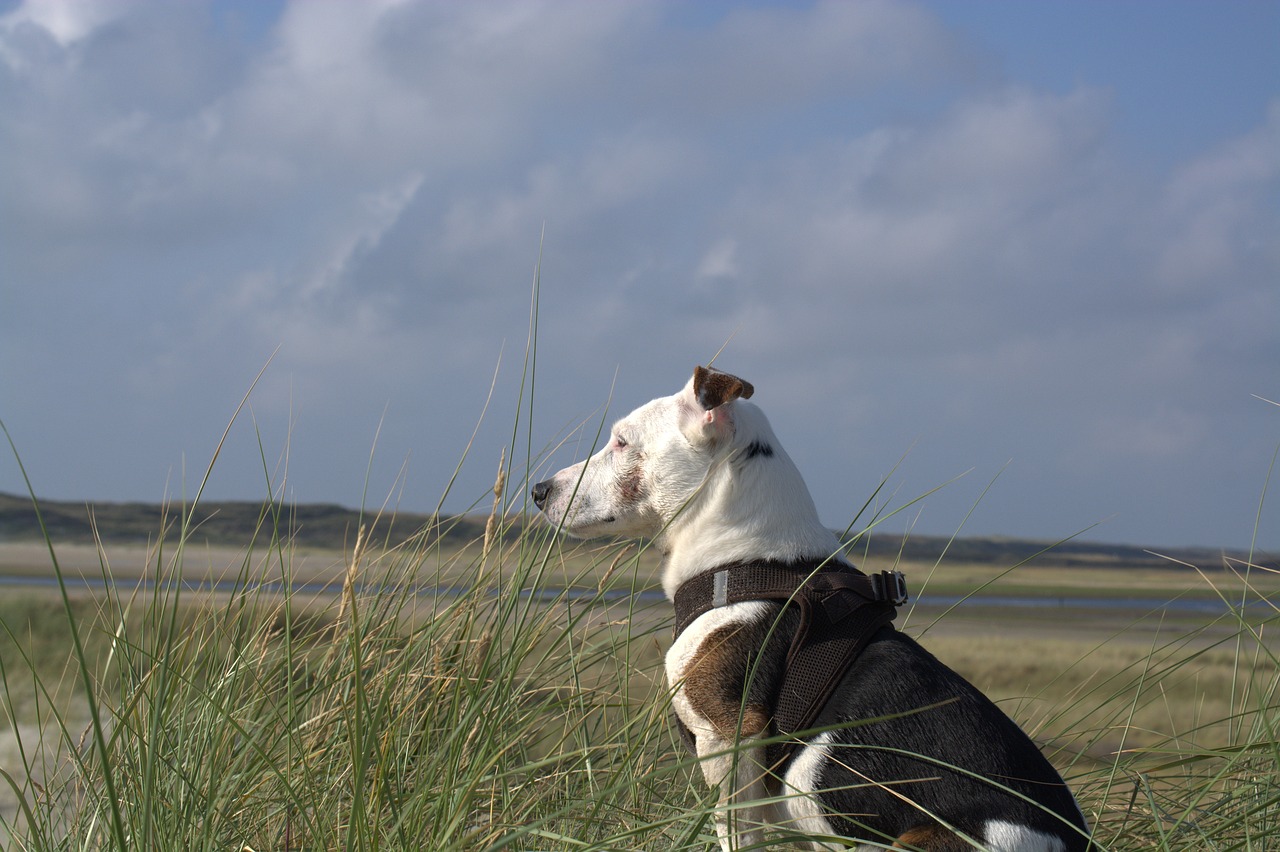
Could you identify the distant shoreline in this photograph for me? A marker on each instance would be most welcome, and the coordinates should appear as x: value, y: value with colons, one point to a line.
x: 333, y: 527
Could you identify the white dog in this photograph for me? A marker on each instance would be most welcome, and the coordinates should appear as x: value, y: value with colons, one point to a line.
x: 906, y: 754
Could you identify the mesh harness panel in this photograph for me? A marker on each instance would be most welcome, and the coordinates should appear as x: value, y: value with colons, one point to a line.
x: 840, y: 610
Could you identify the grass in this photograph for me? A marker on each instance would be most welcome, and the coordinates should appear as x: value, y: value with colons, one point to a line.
x: 384, y: 720
x: 528, y: 711
x: 500, y: 720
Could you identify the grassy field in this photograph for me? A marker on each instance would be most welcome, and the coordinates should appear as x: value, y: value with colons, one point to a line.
x: 491, y: 719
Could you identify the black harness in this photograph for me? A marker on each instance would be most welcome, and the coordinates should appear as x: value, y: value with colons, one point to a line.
x: 841, y: 609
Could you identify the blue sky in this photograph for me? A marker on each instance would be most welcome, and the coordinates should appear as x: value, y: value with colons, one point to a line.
x: 1034, y: 243
x: 1183, y: 74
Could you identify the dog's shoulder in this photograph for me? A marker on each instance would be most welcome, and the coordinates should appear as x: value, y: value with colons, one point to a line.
x: 729, y: 663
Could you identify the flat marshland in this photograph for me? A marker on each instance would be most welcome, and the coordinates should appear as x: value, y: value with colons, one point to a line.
x: 505, y: 691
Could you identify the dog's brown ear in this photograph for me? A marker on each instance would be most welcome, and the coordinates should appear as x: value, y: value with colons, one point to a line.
x: 714, y: 388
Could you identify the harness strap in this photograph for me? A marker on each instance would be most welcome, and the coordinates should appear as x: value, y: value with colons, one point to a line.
x: 828, y: 638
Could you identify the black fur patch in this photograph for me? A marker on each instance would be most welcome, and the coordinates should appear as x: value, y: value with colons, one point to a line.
x: 759, y: 448
x: 939, y: 748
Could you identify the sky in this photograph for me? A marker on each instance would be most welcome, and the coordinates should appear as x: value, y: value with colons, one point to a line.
x: 1018, y: 260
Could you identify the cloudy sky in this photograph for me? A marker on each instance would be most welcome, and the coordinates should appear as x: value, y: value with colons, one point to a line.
x: 1034, y: 243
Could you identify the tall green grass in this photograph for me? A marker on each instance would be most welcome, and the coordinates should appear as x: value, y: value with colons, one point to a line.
x: 511, y: 713
x: 503, y: 716
x: 491, y: 720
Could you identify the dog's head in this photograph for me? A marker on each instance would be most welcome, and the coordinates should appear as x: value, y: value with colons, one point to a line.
x: 658, y: 458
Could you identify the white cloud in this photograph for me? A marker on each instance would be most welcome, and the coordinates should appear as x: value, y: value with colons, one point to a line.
x: 720, y: 261
x: 992, y: 201
x: 772, y: 56
x: 376, y: 214
x: 1249, y: 162
x: 612, y: 175
x: 1218, y: 212
x: 67, y: 21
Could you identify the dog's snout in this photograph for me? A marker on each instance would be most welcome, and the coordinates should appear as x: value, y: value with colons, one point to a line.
x: 541, y: 492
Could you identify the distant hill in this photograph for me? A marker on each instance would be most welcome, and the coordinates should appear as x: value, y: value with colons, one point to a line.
x: 232, y: 523
x: 1067, y: 554
x: 235, y: 523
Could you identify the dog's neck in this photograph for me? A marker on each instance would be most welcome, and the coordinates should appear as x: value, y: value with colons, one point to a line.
x: 748, y: 509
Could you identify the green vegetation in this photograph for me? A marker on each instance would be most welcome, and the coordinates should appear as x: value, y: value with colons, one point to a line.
x: 496, y: 720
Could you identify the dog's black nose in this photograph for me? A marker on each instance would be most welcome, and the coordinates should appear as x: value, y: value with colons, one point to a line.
x: 540, y: 493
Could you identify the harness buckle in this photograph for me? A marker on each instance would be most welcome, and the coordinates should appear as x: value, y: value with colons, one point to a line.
x: 889, y: 587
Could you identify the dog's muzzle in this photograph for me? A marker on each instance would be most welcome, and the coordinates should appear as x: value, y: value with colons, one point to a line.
x: 541, y: 492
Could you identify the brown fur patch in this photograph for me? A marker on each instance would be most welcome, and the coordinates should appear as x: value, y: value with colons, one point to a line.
x: 631, y: 482
x: 713, y: 684
x: 729, y: 683
x: 932, y: 838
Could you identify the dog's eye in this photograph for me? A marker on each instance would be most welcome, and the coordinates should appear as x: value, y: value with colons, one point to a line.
x: 619, y: 441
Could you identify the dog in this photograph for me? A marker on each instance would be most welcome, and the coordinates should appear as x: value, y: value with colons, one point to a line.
x: 898, y: 751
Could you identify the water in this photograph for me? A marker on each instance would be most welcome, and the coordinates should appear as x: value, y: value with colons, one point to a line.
x: 1187, y: 606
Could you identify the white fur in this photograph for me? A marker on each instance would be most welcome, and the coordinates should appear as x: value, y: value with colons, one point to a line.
x: 804, y: 777
x: 672, y: 472
x: 700, y: 508
x: 1004, y: 836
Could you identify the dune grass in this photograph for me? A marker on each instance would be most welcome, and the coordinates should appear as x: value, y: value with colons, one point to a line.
x: 389, y: 719
x: 517, y: 715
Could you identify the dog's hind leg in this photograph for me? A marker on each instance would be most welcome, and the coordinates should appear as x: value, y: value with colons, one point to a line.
x: 801, y: 810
